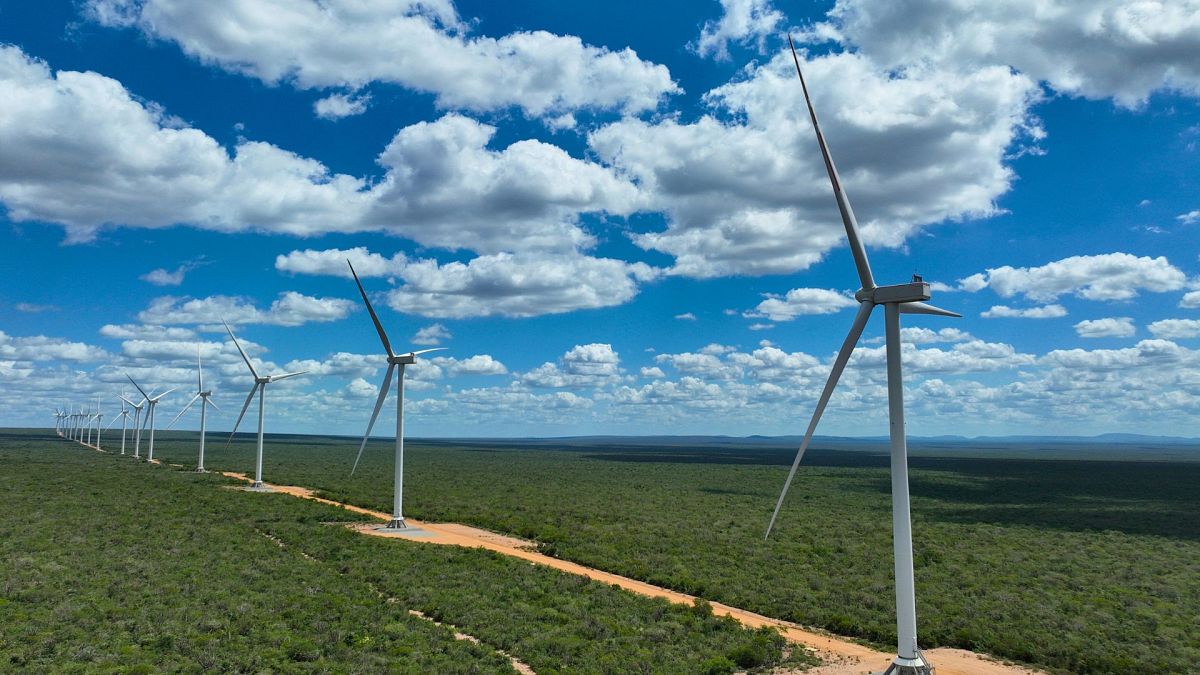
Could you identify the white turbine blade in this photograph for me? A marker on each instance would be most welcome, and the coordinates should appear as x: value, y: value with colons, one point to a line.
x: 159, y: 397
x: 199, y: 371
x: 240, y: 350
x: 185, y: 409
x: 209, y: 401
x: 922, y: 308
x: 140, y: 390
x: 243, y: 413
x: 383, y: 392
x: 426, y: 351
x: 843, y: 202
x: 374, y: 317
x: 839, y: 364
x: 276, y: 378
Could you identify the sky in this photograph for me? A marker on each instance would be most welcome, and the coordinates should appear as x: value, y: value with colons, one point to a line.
x: 613, y: 216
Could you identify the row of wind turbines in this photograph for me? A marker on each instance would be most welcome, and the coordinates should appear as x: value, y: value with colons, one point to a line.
x: 907, y: 298
x: 78, y: 426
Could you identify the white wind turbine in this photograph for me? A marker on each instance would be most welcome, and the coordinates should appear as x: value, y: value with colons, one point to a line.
x: 260, y: 386
x: 137, y: 427
x: 87, y: 426
x: 152, y: 403
x: 393, y: 359
x: 124, y: 417
x: 99, y: 419
x: 204, y: 403
x: 58, y: 417
x: 896, y: 300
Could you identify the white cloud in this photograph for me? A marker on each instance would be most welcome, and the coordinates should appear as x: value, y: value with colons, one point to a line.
x: 1006, y: 312
x: 33, y: 308
x: 652, y: 372
x: 480, y: 364
x: 1189, y: 218
x: 1175, y: 329
x: 1111, y: 276
x: 164, y: 277
x: 419, y: 45
x: 332, y: 262
x: 1190, y: 300
x: 590, y: 365
x: 508, y: 285
x: 799, y: 302
x: 745, y: 189
x: 431, y: 335
x: 340, y: 364
x: 686, y: 316
x: 43, y: 348
x: 135, y: 331
x: 290, y: 309
x: 743, y: 22
x: 1110, y: 327
x: 1097, y: 49
x: 1145, y: 353
x: 921, y: 336
x: 337, y: 106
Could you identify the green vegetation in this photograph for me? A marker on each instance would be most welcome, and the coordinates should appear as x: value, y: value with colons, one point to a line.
x: 1075, y: 566
x: 117, y: 566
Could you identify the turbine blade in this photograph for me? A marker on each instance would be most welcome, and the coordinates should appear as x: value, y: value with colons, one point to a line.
x: 374, y: 317
x: 199, y: 371
x: 210, y: 402
x: 159, y: 397
x: 843, y: 202
x: 276, y: 378
x: 127, y: 401
x: 426, y: 351
x: 240, y: 350
x: 923, y: 308
x: 839, y: 364
x: 185, y: 409
x: 140, y: 390
x: 383, y: 392
x: 245, y: 405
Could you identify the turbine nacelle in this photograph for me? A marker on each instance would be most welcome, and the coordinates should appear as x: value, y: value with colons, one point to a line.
x: 411, y: 357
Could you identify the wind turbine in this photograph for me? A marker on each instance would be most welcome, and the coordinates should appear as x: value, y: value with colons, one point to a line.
x: 57, y: 422
x: 99, y: 419
x: 393, y: 359
x: 152, y: 403
x: 896, y: 300
x: 137, y: 428
x: 260, y: 386
x: 124, y: 417
x: 87, y: 426
x: 204, y: 402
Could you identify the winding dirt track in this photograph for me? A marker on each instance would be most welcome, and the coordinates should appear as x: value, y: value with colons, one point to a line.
x: 841, y: 656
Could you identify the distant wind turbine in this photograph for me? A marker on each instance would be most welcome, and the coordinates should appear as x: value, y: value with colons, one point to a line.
x: 124, y: 417
x: 152, y: 403
x: 99, y: 420
x: 896, y: 300
x: 260, y: 386
x: 137, y: 427
x: 393, y: 360
x: 204, y: 403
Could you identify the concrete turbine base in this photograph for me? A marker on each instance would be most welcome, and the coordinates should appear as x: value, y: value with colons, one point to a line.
x: 903, y: 666
x: 395, y: 524
x: 258, y: 486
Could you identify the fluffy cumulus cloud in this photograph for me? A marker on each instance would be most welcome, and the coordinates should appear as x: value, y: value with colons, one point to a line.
x: 744, y: 188
x: 333, y: 262
x: 44, y: 348
x: 1098, y: 49
x: 418, y: 44
x: 337, y: 106
x: 583, y: 366
x: 742, y: 22
x: 480, y: 364
x: 514, y: 285
x: 1110, y: 276
x: 1175, y: 329
x: 801, y: 301
x: 432, y: 334
x: 289, y: 309
x: 1121, y: 326
x: 1190, y: 300
x: 1189, y: 218
x: 1052, y: 311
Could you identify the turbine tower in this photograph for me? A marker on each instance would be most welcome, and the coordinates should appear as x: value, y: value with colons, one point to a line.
x: 124, y: 417
x: 99, y: 419
x: 137, y: 428
x: 393, y: 360
x: 896, y: 300
x: 204, y: 402
x: 152, y: 402
x: 260, y: 386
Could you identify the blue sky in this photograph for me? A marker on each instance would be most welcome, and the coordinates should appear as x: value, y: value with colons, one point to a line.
x: 612, y: 215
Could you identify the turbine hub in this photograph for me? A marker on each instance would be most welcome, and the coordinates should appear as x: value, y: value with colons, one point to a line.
x: 917, y: 291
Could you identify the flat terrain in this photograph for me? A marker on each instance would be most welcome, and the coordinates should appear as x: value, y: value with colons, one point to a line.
x: 112, y: 565
x: 1068, y: 565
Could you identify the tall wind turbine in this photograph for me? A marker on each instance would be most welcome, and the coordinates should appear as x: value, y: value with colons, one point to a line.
x: 896, y: 300
x: 87, y: 425
x: 99, y: 419
x: 137, y: 428
x: 260, y: 386
x: 124, y: 417
x: 204, y: 403
x: 393, y: 360
x: 151, y: 403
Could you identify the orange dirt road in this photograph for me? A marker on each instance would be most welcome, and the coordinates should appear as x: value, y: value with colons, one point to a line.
x: 841, y: 656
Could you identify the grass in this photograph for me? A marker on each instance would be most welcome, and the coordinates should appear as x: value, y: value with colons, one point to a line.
x: 1073, y: 566
x: 117, y: 566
